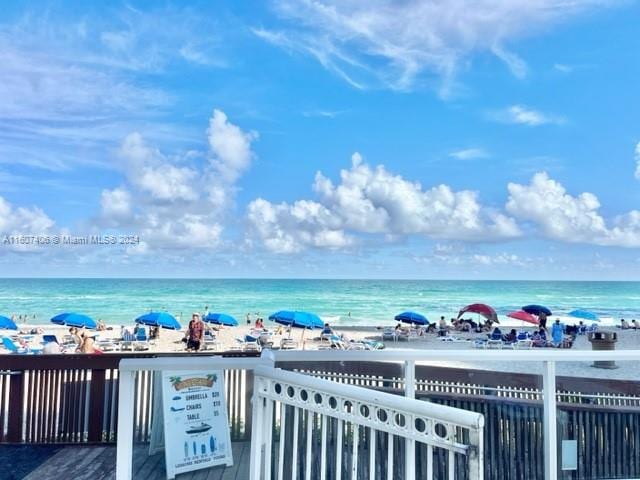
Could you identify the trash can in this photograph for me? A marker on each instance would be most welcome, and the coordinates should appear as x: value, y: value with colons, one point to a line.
x: 603, y: 341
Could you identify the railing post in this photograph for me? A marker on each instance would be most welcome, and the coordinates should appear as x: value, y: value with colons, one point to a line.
x: 15, y: 412
x: 256, y: 462
x: 550, y: 425
x: 476, y: 454
x: 96, y: 405
x: 410, y: 445
x: 124, y: 449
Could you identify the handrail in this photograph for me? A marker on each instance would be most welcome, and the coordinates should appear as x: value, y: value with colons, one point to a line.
x: 443, y: 413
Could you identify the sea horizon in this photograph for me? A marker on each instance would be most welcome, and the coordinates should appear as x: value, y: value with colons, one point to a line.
x: 339, y: 301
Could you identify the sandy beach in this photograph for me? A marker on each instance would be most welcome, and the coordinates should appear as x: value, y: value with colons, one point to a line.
x: 227, y: 338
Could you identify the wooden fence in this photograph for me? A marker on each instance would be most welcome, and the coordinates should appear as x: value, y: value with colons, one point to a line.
x: 72, y: 399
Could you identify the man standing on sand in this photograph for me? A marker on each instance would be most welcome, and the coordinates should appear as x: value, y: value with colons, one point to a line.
x: 196, y: 331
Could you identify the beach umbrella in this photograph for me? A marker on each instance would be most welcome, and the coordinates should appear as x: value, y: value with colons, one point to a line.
x: 7, y: 324
x: 524, y: 316
x: 537, y: 310
x: 412, y: 317
x: 585, y: 315
x: 159, y: 319
x: 297, y: 319
x: 481, y: 309
x: 304, y: 320
x: 221, y: 319
x: 71, y: 319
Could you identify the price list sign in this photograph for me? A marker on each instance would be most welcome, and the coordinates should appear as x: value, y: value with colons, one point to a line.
x: 196, y: 428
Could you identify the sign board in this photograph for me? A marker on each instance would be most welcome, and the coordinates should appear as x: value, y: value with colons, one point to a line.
x: 194, y: 416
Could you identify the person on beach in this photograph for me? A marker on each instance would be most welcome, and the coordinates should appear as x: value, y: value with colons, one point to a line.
x: 259, y: 323
x: 557, y: 333
x: 327, y: 330
x: 511, y: 337
x: 634, y: 324
x: 101, y: 326
x: 195, y: 333
x: 248, y: 319
x: 442, y: 324
x: 623, y: 324
x: 88, y: 345
x: 542, y: 320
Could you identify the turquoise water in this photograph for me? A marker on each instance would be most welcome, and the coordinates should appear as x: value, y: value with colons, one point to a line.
x: 369, y: 302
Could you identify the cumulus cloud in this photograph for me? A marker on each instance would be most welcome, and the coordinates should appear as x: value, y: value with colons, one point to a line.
x: 396, y: 43
x: 23, y: 220
x: 230, y: 146
x: 522, y: 115
x: 574, y: 219
x: 166, y: 199
x: 286, y: 228
x: 375, y: 201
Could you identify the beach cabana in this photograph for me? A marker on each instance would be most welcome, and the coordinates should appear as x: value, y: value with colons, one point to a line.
x: 524, y: 316
x: 221, y: 319
x: 481, y: 309
x: 159, y: 319
x: 7, y: 324
x: 77, y: 320
x: 537, y: 310
x: 584, y: 315
x: 412, y: 317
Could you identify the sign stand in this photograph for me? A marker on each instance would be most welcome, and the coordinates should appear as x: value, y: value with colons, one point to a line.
x: 190, y: 421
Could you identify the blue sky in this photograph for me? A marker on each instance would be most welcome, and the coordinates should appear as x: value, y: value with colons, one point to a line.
x: 448, y: 139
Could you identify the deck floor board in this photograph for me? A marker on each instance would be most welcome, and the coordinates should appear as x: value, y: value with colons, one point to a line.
x: 99, y: 463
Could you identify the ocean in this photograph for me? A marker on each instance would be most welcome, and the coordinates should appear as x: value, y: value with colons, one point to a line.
x: 341, y: 302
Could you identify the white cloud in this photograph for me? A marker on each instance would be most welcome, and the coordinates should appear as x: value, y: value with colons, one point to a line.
x: 230, y: 145
x: 522, y: 115
x: 563, y: 68
x: 397, y: 43
x: 637, y: 158
x: 560, y: 216
x: 285, y: 228
x: 23, y: 220
x: 166, y: 199
x: 116, y: 203
x: 152, y: 173
x: 375, y: 201
x: 469, y: 153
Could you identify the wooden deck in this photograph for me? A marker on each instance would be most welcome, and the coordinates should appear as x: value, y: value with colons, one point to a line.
x: 99, y: 463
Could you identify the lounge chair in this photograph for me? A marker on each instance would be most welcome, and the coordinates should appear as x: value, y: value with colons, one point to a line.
x: 13, y: 348
x: 389, y: 333
x: 288, y: 344
x: 249, y: 344
x: 142, y: 340
x: 127, y: 341
x: 210, y: 341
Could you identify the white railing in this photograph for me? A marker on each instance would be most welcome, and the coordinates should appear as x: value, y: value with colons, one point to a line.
x: 549, y: 358
x: 361, y: 412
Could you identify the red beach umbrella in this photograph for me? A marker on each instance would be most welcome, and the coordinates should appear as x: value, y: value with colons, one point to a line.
x: 481, y: 309
x: 524, y: 316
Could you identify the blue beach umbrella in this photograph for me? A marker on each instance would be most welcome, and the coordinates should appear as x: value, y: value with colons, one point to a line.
x: 221, y: 319
x: 412, y: 317
x: 159, y: 319
x: 71, y: 319
x: 585, y: 315
x: 537, y: 310
x: 7, y: 324
x: 297, y: 319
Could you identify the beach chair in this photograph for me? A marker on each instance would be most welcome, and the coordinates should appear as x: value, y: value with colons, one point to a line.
x: 288, y: 344
x: 127, y: 340
x: 389, y: 333
x: 209, y: 341
x: 592, y: 328
x: 249, y: 344
x: 13, y: 348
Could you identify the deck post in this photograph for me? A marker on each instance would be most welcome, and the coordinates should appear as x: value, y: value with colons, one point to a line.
x: 410, y: 445
x: 550, y: 425
x: 96, y: 404
x: 256, y: 462
x: 16, y: 412
x: 124, y: 449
